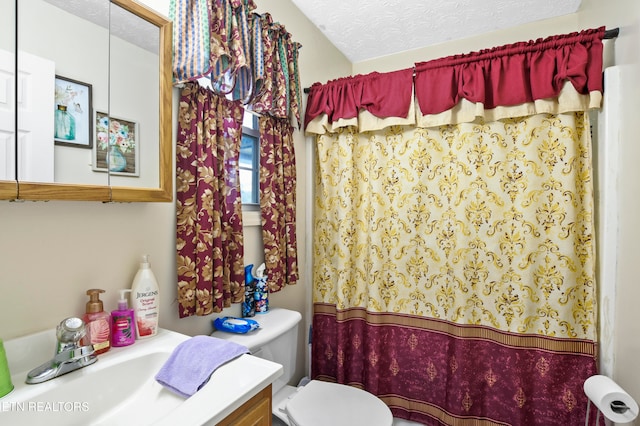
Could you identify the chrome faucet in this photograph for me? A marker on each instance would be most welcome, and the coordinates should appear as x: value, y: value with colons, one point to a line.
x: 70, y: 354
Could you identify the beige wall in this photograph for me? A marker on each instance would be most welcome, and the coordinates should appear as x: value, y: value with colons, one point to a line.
x: 52, y: 252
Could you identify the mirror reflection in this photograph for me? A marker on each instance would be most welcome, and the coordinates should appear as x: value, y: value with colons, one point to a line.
x: 63, y: 74
x: 133, y: 155
x: 88, y: 94
x: 7, y: 100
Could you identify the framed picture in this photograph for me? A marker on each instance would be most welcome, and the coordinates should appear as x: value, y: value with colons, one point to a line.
x: 116, y: 149
x: 73, y: 113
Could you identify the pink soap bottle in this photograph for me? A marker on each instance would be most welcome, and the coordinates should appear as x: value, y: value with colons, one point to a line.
x: 123, y: 323
x: 98, y: 323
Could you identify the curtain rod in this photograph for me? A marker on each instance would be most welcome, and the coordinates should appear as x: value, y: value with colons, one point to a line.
x: 608, y: 34
x: 611, y: 33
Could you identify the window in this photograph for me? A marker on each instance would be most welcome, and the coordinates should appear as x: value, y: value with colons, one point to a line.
x: 249, y: 161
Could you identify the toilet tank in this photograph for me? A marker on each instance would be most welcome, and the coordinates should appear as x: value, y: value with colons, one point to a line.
x: 276, y: 340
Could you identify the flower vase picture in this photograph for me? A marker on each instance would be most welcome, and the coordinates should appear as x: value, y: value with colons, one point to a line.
x: 116, y: 148
x: 72, y: 113
x: 65, y: 128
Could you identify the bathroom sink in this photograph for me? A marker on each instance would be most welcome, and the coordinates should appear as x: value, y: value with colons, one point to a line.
x: 120, y: 389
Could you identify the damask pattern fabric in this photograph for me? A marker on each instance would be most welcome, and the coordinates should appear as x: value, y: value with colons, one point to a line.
x: 433, y: 373
x: 210, y: 248
x: 454, y: 270
x: 278, y: 201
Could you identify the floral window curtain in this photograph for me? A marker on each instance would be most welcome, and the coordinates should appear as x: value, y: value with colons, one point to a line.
x: 243, y: 54
x: 210, y: 250
x: 247, y: 57
x: 278, y: 201
x: 454, y: 259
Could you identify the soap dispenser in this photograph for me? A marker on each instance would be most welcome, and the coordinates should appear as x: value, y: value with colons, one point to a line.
x: 123, y: 323
x: 98, y: 322
x: 249, y: 304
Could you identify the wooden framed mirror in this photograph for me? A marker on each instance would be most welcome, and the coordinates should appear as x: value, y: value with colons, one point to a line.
x: 110, y: 85
x: 156, y: 40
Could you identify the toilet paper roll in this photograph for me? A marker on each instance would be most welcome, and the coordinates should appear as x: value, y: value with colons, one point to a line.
x: 612, y: 401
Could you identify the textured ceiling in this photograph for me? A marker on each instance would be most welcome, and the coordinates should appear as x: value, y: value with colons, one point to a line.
x: 123, y: 24
x: 367, y: 29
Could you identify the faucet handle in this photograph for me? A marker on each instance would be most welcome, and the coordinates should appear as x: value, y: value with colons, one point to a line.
x: 74, y: 354
x: 70, y: 330
x: 69, y: 356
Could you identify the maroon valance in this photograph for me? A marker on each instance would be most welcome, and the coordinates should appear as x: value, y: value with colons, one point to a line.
x: 552, y: 75
x: 512, y: 74
x: 381, y: 94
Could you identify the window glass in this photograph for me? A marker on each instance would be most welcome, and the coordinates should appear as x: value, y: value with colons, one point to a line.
x: 249, y: 160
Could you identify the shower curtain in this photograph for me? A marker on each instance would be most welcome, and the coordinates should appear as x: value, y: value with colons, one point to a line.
x: 454, y: 263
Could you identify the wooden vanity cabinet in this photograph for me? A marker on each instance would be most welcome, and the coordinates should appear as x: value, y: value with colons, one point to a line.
x: 254, y: 412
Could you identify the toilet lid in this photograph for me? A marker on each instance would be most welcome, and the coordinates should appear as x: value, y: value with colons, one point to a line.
x: 322, y: 403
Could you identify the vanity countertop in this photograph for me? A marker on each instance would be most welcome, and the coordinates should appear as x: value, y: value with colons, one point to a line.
x: 230, y: 386
x: 120, y: 389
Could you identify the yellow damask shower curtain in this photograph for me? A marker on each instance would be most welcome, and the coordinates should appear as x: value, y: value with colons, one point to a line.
x: 454, y: 258
x: 458, y: 264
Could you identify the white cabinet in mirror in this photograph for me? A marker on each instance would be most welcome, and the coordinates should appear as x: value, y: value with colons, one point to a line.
x: 8, y: 184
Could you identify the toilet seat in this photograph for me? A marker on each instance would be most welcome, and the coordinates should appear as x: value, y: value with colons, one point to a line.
x: 321, y: 403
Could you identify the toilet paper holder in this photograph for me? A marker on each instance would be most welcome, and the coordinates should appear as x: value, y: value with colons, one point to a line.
x: 610, y: 399
x: 619, y: 407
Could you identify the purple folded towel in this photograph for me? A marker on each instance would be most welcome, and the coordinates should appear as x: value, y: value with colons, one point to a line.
x: 193, y: 361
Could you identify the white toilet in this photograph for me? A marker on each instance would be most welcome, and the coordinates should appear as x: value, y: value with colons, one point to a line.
x: 317, y: 403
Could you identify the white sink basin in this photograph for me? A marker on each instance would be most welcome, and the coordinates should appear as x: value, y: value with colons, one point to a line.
x: 120, y: 389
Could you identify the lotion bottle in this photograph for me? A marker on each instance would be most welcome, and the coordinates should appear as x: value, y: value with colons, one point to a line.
x: 98, y: 322
x: 145, y: 300
x: 123, y: 323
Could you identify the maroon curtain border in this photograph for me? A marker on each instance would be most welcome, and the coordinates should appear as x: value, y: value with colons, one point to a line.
x: 435, y: 373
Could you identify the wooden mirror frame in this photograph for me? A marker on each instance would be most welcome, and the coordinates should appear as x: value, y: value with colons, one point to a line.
x: 57, y: 191
x: 8, y: 190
